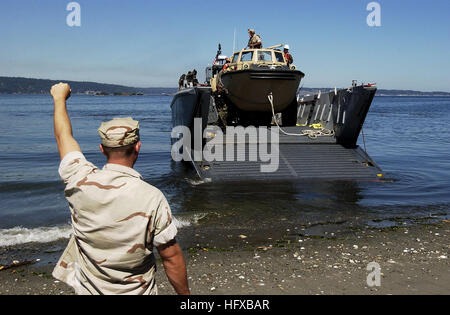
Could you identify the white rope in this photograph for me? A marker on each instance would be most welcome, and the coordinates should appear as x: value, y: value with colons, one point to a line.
x: 322, y: 132
x: 312, y: 134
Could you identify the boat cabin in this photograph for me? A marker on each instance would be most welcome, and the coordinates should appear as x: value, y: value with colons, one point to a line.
x: 245, y: 59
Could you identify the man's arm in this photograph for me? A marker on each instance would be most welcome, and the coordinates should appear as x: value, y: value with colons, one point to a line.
x: 175, y: 266
x: 257, y: 41
x: 62, y: 127
x: 251, y: 44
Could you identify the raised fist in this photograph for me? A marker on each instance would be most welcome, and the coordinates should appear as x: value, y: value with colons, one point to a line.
x: 60, y: 91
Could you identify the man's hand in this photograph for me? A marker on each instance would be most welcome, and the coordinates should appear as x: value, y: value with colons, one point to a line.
x: 63, y: 129
x: 60, y: 91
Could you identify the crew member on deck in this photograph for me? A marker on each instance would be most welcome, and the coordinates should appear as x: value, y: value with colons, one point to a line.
x: 189, y: 79
x: 226, y: 65
x: 255, y: 40
x: 287, y: 55
x: 181, y: 81
x: 194, y: 78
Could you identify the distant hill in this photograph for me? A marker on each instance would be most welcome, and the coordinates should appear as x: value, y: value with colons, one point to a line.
x: 12, y: 85
x: 382, y: 92
x: 410, y: 93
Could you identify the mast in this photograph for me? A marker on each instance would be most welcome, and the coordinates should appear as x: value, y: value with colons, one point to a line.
x: 234, y: 42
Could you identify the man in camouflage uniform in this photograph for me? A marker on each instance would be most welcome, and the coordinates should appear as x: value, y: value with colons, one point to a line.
x: 117, y: 218
x: 181, y: 82
x: 194, y: 78
x: 255, y: 40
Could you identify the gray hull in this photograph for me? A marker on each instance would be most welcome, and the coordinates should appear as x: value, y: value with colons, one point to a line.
x: 189, y: 104
x: 343, y: 111
x: 183, y: 106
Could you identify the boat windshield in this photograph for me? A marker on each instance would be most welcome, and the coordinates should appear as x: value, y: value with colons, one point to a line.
x: 264, y: 56
x: 279, y: 57
x: 235, y: 58
x: 247, y: 56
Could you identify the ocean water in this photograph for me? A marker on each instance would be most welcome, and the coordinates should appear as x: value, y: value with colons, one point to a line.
x: 408, y: 137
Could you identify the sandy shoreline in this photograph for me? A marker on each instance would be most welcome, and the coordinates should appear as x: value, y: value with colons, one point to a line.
x: 413, y: 260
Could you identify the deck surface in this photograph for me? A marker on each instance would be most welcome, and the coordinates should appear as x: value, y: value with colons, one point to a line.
x: 298, y: 158
x: 283, y: 138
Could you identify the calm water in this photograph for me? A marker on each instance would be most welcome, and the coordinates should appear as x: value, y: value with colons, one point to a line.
x: 409, y: 138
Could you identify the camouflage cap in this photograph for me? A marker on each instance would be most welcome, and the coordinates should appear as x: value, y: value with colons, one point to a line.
x: 251, y: 30
x: 119, y: 132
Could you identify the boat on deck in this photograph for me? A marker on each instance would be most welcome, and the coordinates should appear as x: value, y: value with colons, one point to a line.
x: 254, y: 73
x: 318, y: 133
x: 243, y: 83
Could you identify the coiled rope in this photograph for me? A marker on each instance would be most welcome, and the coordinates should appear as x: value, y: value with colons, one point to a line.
x: 312, y: 134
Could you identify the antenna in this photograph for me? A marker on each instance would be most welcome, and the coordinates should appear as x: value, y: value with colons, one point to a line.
x: 234, y: 42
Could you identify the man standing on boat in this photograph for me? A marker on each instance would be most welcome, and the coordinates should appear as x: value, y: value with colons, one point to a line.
x: 181, y: 84
x: 255, y: 40
x: 117, y: 218
x: 287, y: 55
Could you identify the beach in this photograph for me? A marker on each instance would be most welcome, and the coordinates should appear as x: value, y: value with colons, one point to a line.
x: 413, y: 260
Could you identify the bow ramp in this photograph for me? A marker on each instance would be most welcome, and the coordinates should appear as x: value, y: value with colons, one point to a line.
x: 299, y: 155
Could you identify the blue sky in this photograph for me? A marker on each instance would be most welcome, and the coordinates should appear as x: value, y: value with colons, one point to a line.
x: 150, y: 43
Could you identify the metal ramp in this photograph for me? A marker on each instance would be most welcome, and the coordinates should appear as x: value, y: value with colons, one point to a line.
x: 299, y: 158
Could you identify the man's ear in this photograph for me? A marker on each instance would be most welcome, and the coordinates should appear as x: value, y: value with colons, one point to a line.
x: 101, y: 149
x: 137, y: 146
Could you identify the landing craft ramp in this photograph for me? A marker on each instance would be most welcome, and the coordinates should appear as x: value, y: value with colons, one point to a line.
x: 298, y: 157
x: 331, y: 156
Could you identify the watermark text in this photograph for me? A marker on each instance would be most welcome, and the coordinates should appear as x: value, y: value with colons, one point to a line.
x: 74, y: 17
x: 374, y: 17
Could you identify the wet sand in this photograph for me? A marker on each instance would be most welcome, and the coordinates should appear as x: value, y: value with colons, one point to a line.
x: 413, y: 260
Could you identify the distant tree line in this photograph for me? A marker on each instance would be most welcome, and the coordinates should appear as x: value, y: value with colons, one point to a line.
x: 12, y: 85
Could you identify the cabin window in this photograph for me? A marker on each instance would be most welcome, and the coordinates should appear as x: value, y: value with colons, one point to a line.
x: 279, y: 57
x: 235, y: 58
x: 247, y: 56
x: 264, y: 56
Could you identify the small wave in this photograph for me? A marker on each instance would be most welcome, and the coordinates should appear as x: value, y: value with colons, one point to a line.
x: 21, y: 235
x: 179, y: 223
x: 187, y: 220
x: 197, y: 182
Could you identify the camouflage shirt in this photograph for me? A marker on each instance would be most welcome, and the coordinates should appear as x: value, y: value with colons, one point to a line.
x: 117, y: 219
x: 255, y: 40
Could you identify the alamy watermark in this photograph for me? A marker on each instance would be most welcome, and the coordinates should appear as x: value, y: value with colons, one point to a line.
x: 374, y: 17
x: 374, y: 277
x: 239, y: 144
x: 74, y: 17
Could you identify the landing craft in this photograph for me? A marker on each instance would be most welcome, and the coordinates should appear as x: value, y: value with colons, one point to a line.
x: 257, y: 87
